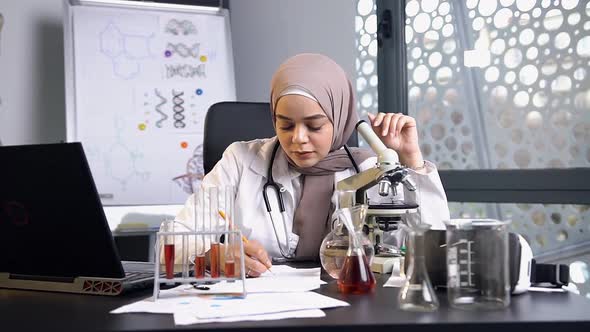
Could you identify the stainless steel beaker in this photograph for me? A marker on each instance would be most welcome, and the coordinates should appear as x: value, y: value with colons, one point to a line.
x: 477, y: 263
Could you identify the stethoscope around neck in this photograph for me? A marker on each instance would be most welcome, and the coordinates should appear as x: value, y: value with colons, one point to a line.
x: 279, y: 189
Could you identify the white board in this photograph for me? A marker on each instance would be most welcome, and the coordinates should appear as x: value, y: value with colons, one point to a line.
x: 140, y: 80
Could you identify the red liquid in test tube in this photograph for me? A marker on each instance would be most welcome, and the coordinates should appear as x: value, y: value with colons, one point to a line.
x: 230, y: 269
x: 200, y: 267
x: 215, y: 268
x: 169, y: 260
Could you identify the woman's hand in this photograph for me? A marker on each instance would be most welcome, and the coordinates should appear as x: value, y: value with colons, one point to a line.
x: 398, y: 132
x: 256, y: 259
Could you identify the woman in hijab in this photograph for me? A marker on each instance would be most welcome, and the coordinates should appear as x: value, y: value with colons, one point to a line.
x: 313, y: 112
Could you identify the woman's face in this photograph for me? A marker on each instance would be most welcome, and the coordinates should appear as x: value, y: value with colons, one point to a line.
x: 303, y: 129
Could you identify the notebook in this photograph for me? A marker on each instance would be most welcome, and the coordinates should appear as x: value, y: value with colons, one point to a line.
x: 54, y: 235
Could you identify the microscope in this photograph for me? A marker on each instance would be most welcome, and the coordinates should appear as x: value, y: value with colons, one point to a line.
x: 386, y: 210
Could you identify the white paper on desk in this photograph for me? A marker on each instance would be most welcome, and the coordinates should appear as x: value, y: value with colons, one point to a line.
x: 214, y: 306
x: 186, y: 318
x: 265, y: 285
x: 169, y: 302
x: 266, y: 303
x: 282, y: 279
x: 287, y: 271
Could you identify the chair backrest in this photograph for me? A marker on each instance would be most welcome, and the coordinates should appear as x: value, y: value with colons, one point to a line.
x: 229, y: 122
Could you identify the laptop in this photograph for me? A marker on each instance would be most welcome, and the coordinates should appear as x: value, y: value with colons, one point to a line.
x: 54, y: 235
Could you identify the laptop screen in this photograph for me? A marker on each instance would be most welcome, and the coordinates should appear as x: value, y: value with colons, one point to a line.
x: 51, y: 219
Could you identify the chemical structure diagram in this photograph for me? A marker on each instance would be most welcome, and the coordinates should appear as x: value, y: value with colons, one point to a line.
x: 180, y: 27
x: 124, y: 50
x: 194, y: 172
x: 121, y: 161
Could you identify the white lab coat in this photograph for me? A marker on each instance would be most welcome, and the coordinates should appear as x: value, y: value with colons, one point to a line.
x: 244, y: 165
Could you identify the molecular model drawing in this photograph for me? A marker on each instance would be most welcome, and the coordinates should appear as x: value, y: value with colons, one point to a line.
x: 185, y: 71
x: 121, y: 161
x: 124, y: 50
x: 194, y: 172
x: 180, y: 27
x: 182, y: 50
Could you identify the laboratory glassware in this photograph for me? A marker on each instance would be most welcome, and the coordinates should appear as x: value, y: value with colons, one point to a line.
x: 169, y: 247
x: 230, y: 242
x: 215, y: 251
x: 417, y: 293
x: 355, y: 276
x: 335, y: 246
x: 477, y: 263
x: 200, y: 217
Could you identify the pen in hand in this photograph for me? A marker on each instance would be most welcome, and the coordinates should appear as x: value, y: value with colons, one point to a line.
x: 244, y: 239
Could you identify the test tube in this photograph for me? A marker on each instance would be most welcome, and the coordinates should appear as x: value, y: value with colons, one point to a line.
x: 169, y: 249
x: 184, y: 257
x: 199, y: 199
x: 214, y: 238
x: 230, y: 262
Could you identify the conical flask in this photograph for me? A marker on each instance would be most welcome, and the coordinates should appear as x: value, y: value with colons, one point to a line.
x: 334, y: 247
x: 356, y: 276
x: 417, y: 293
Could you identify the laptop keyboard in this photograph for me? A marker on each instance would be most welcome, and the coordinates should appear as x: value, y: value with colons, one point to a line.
x: 138, y: 271
x: 134, y: 276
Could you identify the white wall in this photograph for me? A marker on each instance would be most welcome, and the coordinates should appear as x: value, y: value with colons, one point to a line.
x: 32, y: 72
x: 266, y: 32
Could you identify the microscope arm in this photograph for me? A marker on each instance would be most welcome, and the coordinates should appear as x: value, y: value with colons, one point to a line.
x: 385, y: 155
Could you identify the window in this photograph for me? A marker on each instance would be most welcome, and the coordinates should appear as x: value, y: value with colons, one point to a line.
x: 500, y: 91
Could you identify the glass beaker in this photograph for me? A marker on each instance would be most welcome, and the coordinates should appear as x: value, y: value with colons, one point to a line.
x: 477, y: 263
x: 355, y: 276
x: 417, y: 293
x: 334, y: 247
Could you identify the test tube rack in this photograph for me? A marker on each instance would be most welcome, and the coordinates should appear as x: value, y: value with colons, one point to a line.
x: 185, y: 279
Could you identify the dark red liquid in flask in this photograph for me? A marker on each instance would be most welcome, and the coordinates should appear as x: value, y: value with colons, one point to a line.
x: 169, y: 260
x: 356, y: 276
x: 200, y: 267
x: 215, y: 268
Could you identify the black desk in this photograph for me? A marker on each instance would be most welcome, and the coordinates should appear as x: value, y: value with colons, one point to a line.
x: 555, y: 312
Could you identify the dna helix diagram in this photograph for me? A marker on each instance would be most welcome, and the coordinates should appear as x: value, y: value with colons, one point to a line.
x: 178, y: 109
x: 183, y: 50
x: 177, y: 27
x: 185, y: 71
x: 159, y: 108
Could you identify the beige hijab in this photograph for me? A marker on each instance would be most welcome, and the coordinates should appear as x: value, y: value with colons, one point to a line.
x: 322, y: 78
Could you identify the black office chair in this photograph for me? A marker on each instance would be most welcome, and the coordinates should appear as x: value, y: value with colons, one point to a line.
x: 228, y: 122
